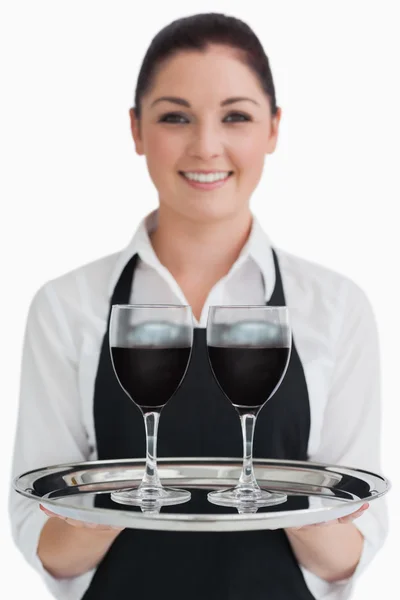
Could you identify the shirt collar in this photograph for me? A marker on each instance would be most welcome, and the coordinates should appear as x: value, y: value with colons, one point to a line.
x: 257, y: 247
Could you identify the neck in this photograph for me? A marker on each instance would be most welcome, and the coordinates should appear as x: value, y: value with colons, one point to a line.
x: 186, y: 247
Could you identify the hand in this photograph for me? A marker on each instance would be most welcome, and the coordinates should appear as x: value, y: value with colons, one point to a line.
x: 342, y: 520
x: 80, y: 524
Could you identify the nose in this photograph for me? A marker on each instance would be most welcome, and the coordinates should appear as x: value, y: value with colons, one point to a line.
x: 206, y: 142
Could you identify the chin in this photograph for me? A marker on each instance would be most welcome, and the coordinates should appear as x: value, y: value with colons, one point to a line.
x: 209, y: 212
x: 210, y: 217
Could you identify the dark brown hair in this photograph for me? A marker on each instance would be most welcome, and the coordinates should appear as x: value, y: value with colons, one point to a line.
x: 197, y: 32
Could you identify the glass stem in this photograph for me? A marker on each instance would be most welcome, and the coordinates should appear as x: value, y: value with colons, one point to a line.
x: 247, y: 478
x: 150, y: 477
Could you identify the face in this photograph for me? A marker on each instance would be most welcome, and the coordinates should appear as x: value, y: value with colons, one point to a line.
x: 201, y: 131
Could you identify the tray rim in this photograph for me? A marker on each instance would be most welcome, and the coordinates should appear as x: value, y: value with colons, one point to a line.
x: 207, y: 459
x: 199, y: 517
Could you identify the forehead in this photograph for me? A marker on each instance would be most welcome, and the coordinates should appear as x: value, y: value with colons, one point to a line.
x: 217, y: 71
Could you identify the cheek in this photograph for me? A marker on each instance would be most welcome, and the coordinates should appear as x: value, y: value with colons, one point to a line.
x: 252, y: 151
x: 162, y: 148
x: 250, y: 161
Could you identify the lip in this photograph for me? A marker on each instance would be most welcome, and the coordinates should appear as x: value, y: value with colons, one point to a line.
x: 206, y: 172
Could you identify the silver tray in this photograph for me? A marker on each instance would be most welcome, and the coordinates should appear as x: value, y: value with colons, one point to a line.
x: 70, y: 490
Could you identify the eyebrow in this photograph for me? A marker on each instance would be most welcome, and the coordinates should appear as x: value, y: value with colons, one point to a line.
x: 183, y: 102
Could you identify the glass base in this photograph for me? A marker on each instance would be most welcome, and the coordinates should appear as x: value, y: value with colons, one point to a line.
x: 150, y: 497
x: 246, y: 499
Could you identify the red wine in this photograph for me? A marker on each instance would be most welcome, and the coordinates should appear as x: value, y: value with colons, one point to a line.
x: 248, y: 376
x: 150, y: 376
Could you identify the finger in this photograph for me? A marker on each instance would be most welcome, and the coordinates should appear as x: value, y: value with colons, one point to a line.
x: 354, y: 515
x: 49, y: 512
x: 80, y: 524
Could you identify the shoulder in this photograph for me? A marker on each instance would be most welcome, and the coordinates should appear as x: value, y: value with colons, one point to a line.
x: 77, y: 299
x: 319, y: 285
x: 92, y: 278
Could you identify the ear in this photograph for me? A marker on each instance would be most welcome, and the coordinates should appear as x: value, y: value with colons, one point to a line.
x: 136, y: 132
x: 273, y: 138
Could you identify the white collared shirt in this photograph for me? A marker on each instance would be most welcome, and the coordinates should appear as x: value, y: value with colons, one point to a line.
x: 335, y: 335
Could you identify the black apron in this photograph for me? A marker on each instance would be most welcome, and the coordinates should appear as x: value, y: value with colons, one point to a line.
x: 199, y: 421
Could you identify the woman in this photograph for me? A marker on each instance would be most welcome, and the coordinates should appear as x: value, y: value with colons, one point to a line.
x: 205, y: 103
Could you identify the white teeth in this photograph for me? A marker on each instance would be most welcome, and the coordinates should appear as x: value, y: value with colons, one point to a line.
x: 206, y: 178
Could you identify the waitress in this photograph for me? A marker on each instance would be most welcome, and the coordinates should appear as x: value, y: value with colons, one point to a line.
x: 205, y: 118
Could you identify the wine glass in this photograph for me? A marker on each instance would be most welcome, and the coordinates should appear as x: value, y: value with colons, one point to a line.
x: 150, y: 349
x: 249, y: 350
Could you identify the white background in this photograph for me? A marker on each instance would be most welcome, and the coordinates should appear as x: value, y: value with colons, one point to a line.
x: 72, y: 188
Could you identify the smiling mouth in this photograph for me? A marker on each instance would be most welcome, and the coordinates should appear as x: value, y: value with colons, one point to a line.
x: 205, y: 186
x: 182, y: 174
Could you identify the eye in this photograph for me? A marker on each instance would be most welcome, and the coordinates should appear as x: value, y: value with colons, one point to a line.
x: 238, y: 117
x: 179, y: 119
x: 172, y: 118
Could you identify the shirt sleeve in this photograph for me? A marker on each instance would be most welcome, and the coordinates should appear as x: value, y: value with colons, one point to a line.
x: 351, y: 431
x: 49, y: 428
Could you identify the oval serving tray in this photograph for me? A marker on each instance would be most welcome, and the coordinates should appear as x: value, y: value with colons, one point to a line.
x: 82, y: 491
